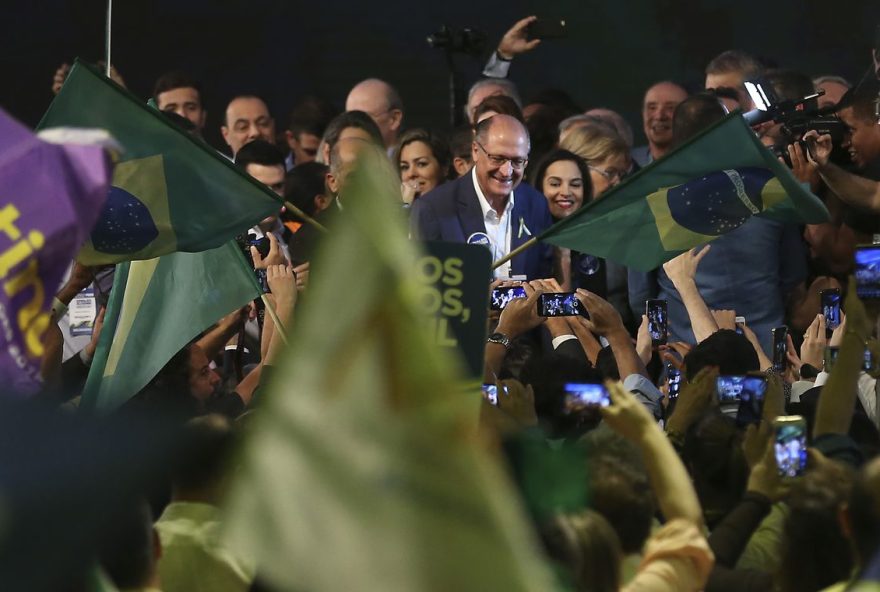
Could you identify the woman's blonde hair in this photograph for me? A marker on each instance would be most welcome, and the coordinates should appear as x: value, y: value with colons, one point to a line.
x: 594, y: 142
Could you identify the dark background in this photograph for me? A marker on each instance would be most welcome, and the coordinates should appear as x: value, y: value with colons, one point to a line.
x: 283, y: 49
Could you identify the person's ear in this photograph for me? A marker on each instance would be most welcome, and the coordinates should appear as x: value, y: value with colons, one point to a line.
x: 321, y: 201
x: 396, y: 119
x: 461, y: 166
x: 291, y: 140
x: 332, y: 183
x: 202, y: 120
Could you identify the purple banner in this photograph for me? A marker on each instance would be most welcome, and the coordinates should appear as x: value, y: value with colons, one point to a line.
x: 50, y: 197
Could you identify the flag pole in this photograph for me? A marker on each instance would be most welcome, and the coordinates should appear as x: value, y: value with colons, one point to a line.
x: 107, y: 38
x: 529, y: 243
x: 274, y: 316
x: 306, y: 218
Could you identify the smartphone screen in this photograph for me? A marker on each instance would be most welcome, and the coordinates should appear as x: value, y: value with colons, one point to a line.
x: 490, y: 393
x: 868, y: 362
x: 867, y: 272
x: 780, y: 346
x: 262, y: 244
x: 830, y: 357
x: 560, y: 304
x: 751, y: 400
x: 580, y: 396
x: 830, y: 300
x: 739, y: 322
x: 729, y: 389
x: 547, y: 29
x: 790, y: 445
x: 655, y: 310
x: 673, y: 378
x: 501, y: 297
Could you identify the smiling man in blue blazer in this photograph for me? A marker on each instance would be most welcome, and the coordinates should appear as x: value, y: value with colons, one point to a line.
x: 489, y: 205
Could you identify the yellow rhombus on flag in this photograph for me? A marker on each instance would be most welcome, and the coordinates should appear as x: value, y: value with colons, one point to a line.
x: 361, y: 469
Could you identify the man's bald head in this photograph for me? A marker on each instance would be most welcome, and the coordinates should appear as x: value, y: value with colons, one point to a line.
x: 500, y: 125
x: 381, y: 102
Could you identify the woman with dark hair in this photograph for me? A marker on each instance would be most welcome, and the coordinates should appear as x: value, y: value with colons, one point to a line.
x: 564, y: 179
x: 423, y: 159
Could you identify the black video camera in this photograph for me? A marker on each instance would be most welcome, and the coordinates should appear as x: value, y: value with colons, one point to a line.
x: 794, y: 115
x: 467, y: 41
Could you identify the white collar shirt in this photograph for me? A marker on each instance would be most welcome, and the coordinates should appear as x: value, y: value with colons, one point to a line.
x: 498, y: 228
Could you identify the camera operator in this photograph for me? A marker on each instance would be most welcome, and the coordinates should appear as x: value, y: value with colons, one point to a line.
x: 862, y: 141
x: 832, y: 243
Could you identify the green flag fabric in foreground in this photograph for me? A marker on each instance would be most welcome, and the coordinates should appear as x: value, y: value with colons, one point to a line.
x: 171, y: 192
x: 707, y: 187
x: 361, y: 469
x: 156, y: 307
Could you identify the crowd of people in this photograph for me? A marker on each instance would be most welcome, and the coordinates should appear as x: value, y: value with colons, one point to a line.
x: 681, y: 495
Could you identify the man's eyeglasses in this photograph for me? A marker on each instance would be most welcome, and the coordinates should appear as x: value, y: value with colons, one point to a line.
x: 499, y: 161
x: 609, y: 174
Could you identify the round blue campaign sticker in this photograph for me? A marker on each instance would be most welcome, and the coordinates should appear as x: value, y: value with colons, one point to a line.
x: 588, y: 265
x: 479, y: 238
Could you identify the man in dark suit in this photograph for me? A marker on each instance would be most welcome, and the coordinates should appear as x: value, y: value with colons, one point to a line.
x: 489, y: 206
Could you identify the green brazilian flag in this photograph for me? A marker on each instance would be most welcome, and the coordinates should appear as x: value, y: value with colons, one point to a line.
x: 705, y: 188
x: 156, y: 307
x: 170, y: 191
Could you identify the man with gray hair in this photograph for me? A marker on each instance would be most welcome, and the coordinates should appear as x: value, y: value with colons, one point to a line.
x: 382, y: 103
x: 488, y: 87
x: 729, y: 69
x: 616, y: 121
x: 834, y: 86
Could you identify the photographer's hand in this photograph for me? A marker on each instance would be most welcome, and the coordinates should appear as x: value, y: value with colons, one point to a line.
x: 516, y: 40
x: 605, y: 321
x: 408, y: 191
x: 59, y: 78
x: 644, y: 343
x: 813, y: 347
x: 518, y: 401
x: 764, y: 362
x: 804, y: 170
x: 695, y: 398
x: 301, y: 272
x: 521, y: 314
x: 819, y: 147
x: 275, y: 256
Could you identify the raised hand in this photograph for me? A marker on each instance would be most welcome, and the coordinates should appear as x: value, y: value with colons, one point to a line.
x: 516, y: 39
